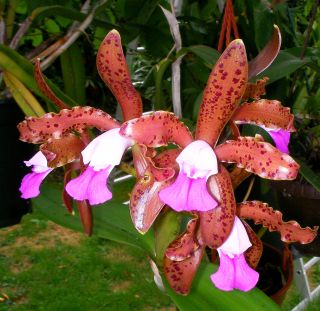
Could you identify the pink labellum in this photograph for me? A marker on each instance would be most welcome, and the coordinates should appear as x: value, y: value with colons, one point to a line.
x: 185, y: 245
x: 253, y: 253
x: 113, y: 70
x: 180, y: 274
x: 265, y: 58
x: 225, y: 87
x: 62, y: 151
x: 156, y: 130
x: 91, y: 185
x: 187, y: 194
x: 269, y: 114
x: 57, y: 125
x: 258, y: 157
x: 145, y: 204
x: 255, y: 90
x: 216, y: 224
x: 281, y: 139
x: 290, y: 231
x: 45, y: 88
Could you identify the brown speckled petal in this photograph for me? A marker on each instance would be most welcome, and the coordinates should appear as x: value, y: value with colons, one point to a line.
x: 255, y: 90
x: 145, y: 204
x: 62, y: 151
x: 290, y: 231
x: 216, y: 224
x: 186, y: 244
x: 258, y: 157
x: 253, y: 254
x: 113, y: 70
x: 56, y: 125
x: 45, y: 88
x: 180, y: 274
x: 225, y: 87
x: 85, y: 212
x: 157, y: 129
x: 268, y: 113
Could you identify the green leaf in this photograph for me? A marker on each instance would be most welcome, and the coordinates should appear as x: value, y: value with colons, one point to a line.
x: 206, y: 53
x: 309, y: 175
x: 73, y: 73
x: 205, y: 296
x: 111, y: 220
x: 285, y: 64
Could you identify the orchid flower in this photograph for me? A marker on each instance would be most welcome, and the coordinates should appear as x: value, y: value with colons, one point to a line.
x: 234, y: 272
x: 201, y: 184
x: 31, y: 182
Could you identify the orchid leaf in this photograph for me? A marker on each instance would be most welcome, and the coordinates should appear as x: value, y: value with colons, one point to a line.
x: 206, y: 53
x: 205, y: 296
x: 157, y: 129
x: 145, y: 204
x: 255, y: 90
x: 62, y: 151
x: 253, y: 253
x: 258, y: 157
x: 309, y: 175
x: 57, y: 125
x: 111, y: 220
x: 216, y: 224
x: 268, y: 113
x: 113, y: 70
x: 186, y: 244
x: 266, y: 55
x: 180, y: 274
x: 290, y: 231
x: 225, y: 87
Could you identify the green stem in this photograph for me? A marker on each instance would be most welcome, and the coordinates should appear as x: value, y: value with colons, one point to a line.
x: 11, y: 15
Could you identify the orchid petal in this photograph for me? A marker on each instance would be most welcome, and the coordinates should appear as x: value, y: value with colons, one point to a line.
x: 91, y: 185
x: 157, y: 129
x: 269, y: 114
x: 106, y: 149
x: 263, y: 214
x: 39, y: 163
x: 281, y: 139
x: 225, y: 87
x: 85, y: 212
x: 113, y: 70
x: 59, y: 152
x: 245, y: 277
x: 258, y: 157
x: 30, y: 185
x: 255, y: 90
x: 223, y: 278
x: 57, y: 125
x: 45, y: 88
x: 187, y: 194
x: 267, y: 55
x: 216, y: 224
x: 180, y: 274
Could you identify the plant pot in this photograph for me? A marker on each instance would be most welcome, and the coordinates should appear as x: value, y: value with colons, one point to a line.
x: 276, y: 272
x: 301, y: 202
x: 12, y: 169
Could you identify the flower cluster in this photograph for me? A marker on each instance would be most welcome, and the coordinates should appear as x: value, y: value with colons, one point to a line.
x: 198, y: 177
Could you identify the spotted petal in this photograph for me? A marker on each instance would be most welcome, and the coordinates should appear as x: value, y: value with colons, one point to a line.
x: 145, y: 204
x: 225, y: 87
x: 62, y: 151
x: 56, y: 125
x: 186, y: 244
x: 290, y: 231
x: 113, y: 70
x: 157, y: 129
x: 255, y: 90
x: 267, y: 113
x: 258, y: 157
x: 216, y: 224
x: 180, y: 274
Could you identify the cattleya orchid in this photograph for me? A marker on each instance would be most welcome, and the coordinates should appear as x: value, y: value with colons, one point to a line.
x: 198, y: 177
